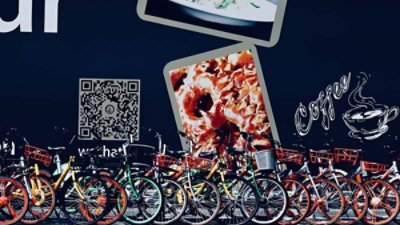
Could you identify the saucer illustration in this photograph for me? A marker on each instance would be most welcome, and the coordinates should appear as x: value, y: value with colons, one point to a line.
x: 367, y: 120
x: 369, y: 135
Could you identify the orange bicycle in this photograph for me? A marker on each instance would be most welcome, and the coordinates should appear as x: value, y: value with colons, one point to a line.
x: 42, y: 197
x: 14, y: 199
x: 383, y: 198
x: 356, y: 198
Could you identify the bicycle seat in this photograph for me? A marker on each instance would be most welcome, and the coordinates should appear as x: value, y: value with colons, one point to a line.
x: 60, y: 148
x: 234, y: 151
x: 208, y: 155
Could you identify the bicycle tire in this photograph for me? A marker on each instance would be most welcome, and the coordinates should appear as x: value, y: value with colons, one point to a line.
x: 177, y: 195
x: 78, y: 206
x: 396, y: 184
x: 213, y: 196
x: 8, y: 186
x: 375, y: 201
x: 136, y: 206
x: 299, y: 201
x: 352, y: 190
x: 265, y: 203
x: 318, y: 214
x: 39, y: 200
x: 118, y: 202
x: 242, y: 185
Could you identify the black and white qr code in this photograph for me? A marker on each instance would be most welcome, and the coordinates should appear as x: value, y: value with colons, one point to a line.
x: 109, y: 109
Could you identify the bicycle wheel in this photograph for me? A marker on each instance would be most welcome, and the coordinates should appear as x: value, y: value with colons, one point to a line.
x: 204, y: 202
x: 14, y: 201
x: 327, y: 202
x: 85, y: 202
x: 239, y: 201
x: 175, y: 202
x: 384, y: 202
x: 145, y: 200
x: 356, y: 201
x: 396, y: 184
x: 299, y: 202
x: 273, y: 201
x: 118, y: 202
x: 42, y: 202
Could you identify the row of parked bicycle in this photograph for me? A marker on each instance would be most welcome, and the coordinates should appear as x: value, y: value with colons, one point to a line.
x: 233, y: 186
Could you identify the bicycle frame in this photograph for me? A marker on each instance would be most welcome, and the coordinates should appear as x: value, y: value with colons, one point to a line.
x: 252, y: 172
x: 392, y: 173
x: 30, y: 184
x: 305, y: 171
x: 125, y: 175
x: 359, y: 175
x: 214, y: 170
x: 156, y: 171
x: 330, y: 169
x: 67, y: 173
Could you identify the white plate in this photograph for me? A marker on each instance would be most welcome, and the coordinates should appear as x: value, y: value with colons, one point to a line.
x: 232, y: 15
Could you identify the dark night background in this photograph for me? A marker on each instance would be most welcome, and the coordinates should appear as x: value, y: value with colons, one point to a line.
x: 320, y: 41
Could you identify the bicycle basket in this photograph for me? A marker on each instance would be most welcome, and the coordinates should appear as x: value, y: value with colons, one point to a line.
x: 38, y: 155
x: 265, y: 160
x: 199, y: 163
x: 374, y: 167
x: 289, y: 155
x: 321, y: 157
x: 347, y: 155
x: 166, y: 161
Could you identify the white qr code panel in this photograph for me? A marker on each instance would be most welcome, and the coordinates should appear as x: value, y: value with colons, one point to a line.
x: 109, y: 109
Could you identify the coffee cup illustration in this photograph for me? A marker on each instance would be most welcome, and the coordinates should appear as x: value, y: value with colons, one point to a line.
x: 367, y: 120
x: 367, y: 123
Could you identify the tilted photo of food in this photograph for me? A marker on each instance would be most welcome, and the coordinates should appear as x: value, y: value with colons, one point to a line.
x: 225, y: 94
x: 230, y: 12
x: 255, y: 21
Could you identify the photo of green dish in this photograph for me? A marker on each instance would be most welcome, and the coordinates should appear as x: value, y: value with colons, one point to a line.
x: 230, y: 12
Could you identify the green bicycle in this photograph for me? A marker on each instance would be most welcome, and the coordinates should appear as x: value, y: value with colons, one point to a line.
x: 145, y: 198
x: 271, y: 193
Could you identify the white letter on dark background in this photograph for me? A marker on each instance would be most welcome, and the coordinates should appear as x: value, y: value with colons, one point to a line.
x: 51, y: 16
x: 23, y: 19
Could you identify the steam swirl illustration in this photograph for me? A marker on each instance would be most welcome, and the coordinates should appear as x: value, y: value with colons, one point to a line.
x: 367, y: 120
x: 356, y: 99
